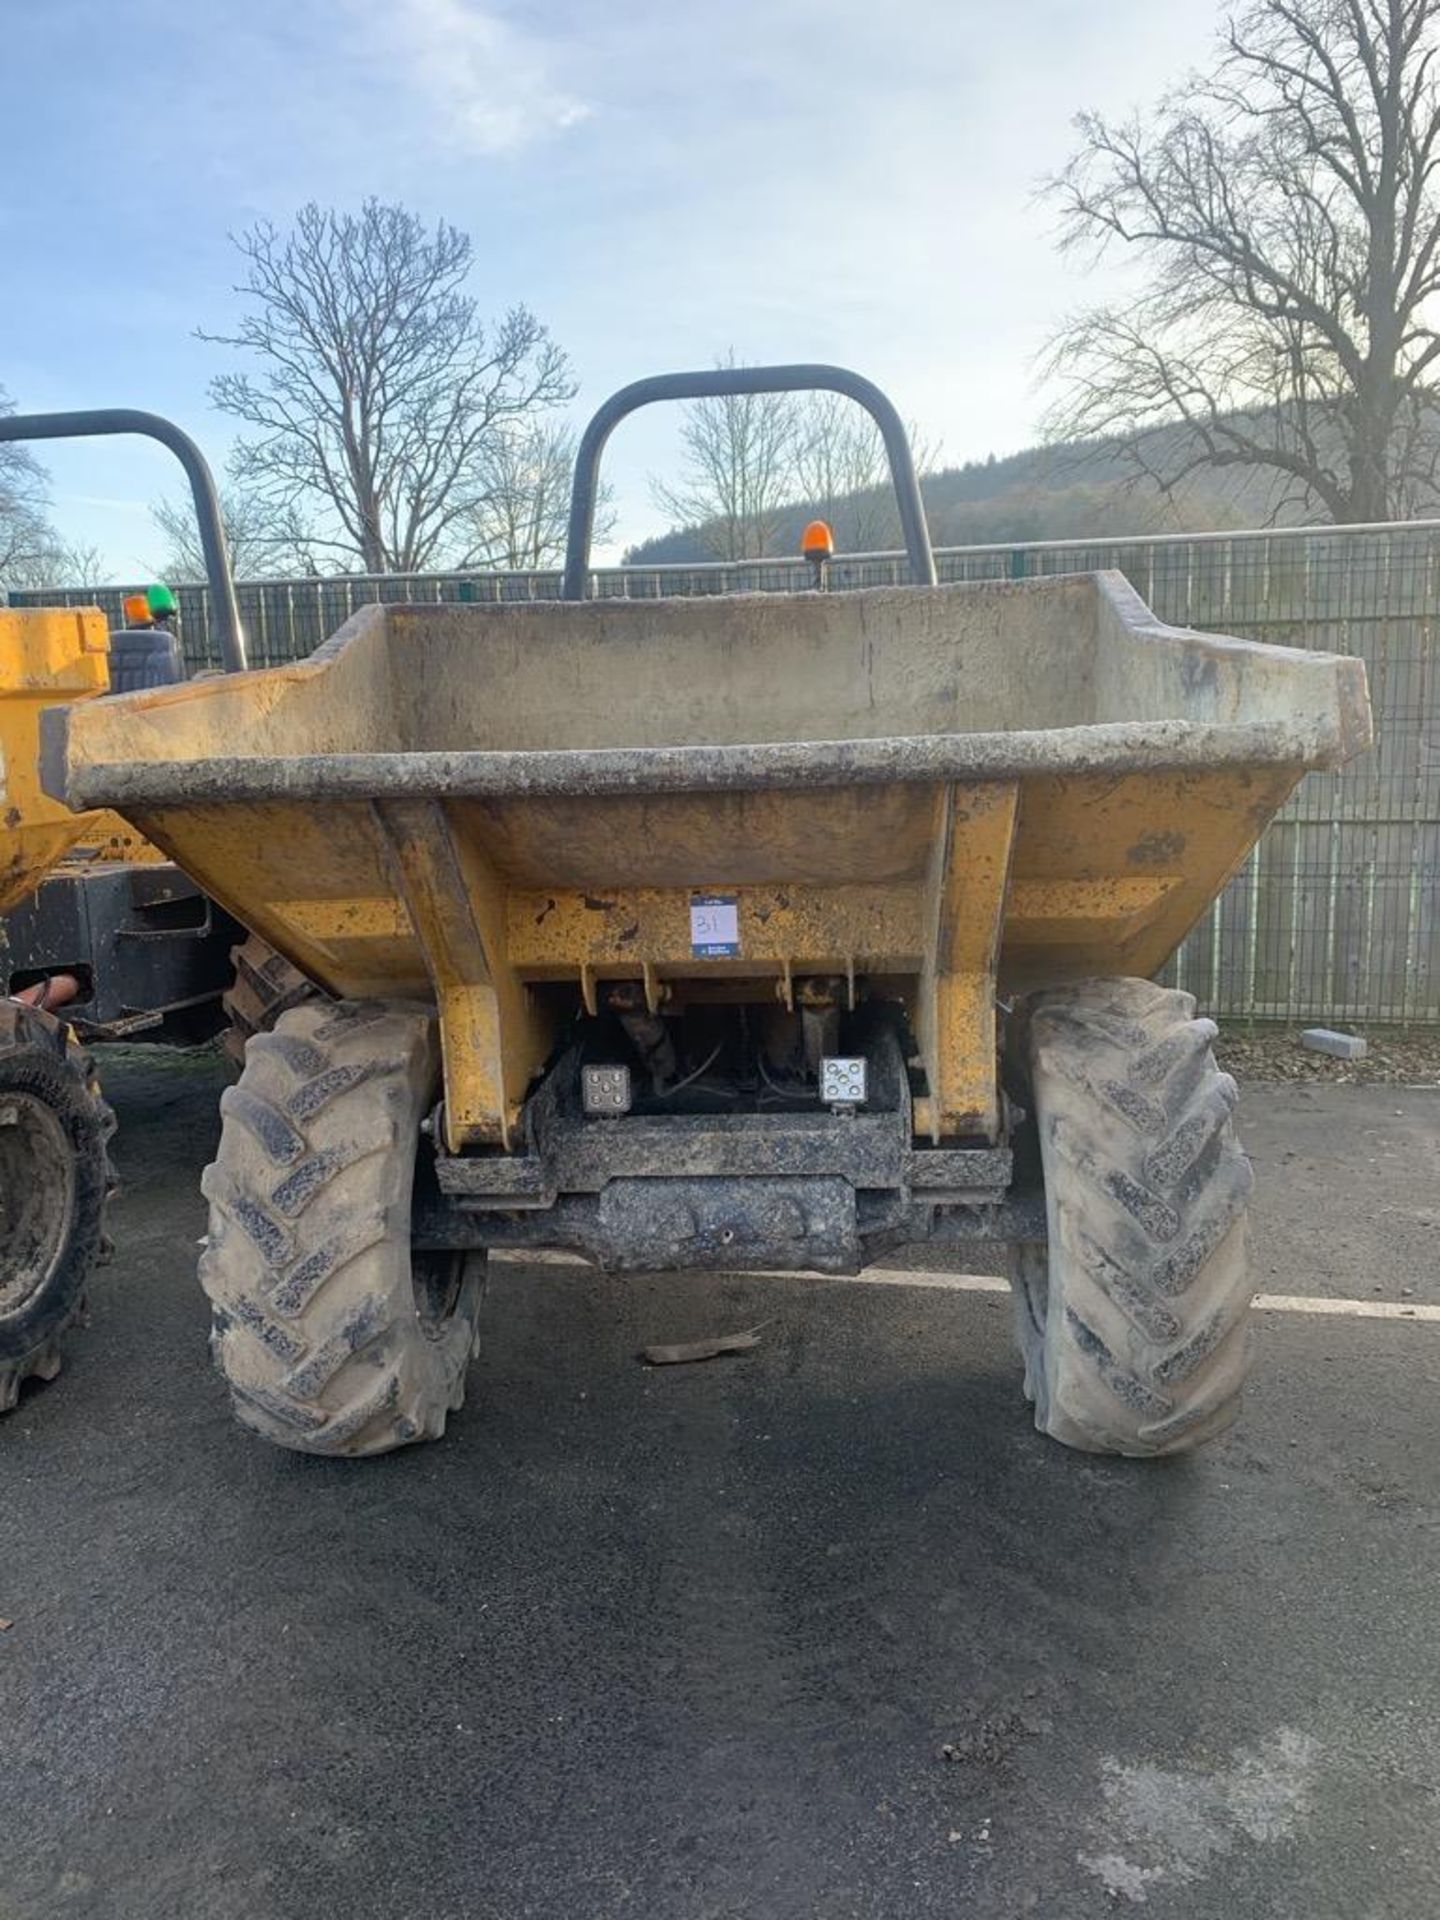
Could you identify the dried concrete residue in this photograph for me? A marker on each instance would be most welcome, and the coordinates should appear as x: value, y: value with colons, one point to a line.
x: 1165, y: 1828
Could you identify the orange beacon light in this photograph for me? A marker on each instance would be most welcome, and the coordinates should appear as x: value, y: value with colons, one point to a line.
x: 817, y: 545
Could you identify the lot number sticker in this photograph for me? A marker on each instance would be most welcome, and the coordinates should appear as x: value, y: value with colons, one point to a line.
x: 714, y: 926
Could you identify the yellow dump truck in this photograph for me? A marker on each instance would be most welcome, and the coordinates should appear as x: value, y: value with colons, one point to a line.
x: 761, y: 932
x: 100, y: 937
x: 54, y: 1125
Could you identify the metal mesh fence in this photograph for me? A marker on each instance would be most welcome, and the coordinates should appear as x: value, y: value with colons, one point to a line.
x: 1336, y: 916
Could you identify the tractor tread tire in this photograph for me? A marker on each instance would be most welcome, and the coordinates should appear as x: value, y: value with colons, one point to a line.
x: 308, y: 1264
x: 40, y: 1061
x: 1133, y: 1322
x: 264, y: 986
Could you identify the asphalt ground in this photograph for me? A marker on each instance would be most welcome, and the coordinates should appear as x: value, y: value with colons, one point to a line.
x: 822, y: 1630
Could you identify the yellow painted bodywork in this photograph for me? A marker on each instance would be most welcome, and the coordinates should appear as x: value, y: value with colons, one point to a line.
x: 508, y: 907
x: 943, y: 892
x: 49, y: 656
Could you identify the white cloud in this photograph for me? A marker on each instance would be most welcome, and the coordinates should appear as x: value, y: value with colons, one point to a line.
x: 489, y: 85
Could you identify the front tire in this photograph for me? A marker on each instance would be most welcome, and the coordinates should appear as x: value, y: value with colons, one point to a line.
x: 55, y: 1178
x: 1133, y: 1322
x: 333, y: 1336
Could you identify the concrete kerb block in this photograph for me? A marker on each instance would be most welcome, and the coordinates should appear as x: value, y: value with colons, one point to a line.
x: 1343, y: 1046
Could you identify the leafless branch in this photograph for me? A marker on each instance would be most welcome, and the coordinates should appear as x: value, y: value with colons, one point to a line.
x: 30, y: 550
x: 1285, y: 208
x: 738, y: 470
x: 376, y: 394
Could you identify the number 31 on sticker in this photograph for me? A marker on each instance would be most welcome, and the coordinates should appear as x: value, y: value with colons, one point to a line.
x: 714, y: 926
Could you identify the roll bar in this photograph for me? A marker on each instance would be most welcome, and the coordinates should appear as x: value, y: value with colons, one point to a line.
x: 100, y: 421
x: 721, y: 382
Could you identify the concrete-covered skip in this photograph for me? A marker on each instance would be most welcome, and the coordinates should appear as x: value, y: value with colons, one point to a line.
x: 945, y: 793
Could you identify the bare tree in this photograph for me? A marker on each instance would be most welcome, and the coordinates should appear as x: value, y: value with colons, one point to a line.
x: 29, y: 546
x: 739, y: 470
x: 1285, y: 209
x: 840, y: 467
x: 264, y: 540
x: 519, y: 517
x: 83, y: 565
x: 377, y: 388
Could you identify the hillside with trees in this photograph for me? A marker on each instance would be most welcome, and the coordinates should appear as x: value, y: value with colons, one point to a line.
x: 1042, y: 493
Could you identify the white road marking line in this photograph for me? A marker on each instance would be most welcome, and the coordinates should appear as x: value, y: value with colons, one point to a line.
x: 992, y: 1283
x: 1263, y: 1302
x: 1352, y: 1309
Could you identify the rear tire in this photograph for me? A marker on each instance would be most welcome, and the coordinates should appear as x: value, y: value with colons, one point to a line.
x: 1133, y: 1322
x: 265, y: 986
x: 55, y: 1178
x: 333, y: 1337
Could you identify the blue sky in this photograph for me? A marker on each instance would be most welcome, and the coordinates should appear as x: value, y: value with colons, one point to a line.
x: 842, y: 181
